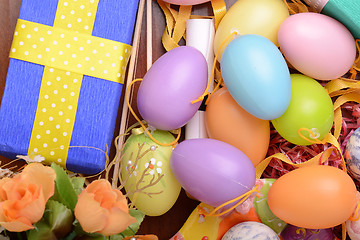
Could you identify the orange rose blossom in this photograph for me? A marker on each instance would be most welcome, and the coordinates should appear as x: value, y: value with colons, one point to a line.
x: 23, y: 197
x: 102, y: 209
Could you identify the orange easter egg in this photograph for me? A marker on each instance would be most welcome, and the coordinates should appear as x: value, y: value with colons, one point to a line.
x: 313, y: 197
x: 228, y: 122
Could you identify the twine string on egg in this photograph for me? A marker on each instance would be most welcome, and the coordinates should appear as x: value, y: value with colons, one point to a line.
x: 242, y: 199
x: 314, y: 139
x: 327, y: 139
x: 314, y: 231
x: 206, y: 92
x: 173, y: 143
x: 301, y: 231
x: 343, y: 231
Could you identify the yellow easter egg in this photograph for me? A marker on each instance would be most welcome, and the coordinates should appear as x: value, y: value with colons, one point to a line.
x: 146, y: 173
x: 199, y: 226
x: 261, y: 17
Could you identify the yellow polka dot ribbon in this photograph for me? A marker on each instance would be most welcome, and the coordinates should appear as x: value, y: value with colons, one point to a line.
x: 68, y: 51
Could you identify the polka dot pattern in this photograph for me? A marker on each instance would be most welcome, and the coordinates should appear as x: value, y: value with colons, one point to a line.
x: 76, y: 52
x: 59, y: 94
x: 73, y: 15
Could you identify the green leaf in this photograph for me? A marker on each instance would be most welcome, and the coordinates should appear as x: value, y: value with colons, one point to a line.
x: 55, y: 223
x: 78, y: 184
x: 59, y: 218
x: 133, y: 228
x: 64, y: 190
x: 41, y: 231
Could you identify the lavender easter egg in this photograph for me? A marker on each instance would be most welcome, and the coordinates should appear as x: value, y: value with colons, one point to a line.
x: 212, y: 171
x: 250, y: 231
x: 292, y: 232
x: 352, y: 154
x: 174, y: 80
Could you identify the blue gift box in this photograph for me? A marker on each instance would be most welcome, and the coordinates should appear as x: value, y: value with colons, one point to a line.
x: 98, y: 100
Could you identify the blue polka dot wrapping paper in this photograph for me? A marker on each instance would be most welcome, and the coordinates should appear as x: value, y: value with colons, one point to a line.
x: 98, y: 98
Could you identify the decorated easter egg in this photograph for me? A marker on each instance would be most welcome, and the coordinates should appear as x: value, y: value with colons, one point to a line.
x: 317, y: 45
x: 352, y: 154
x: 353, y: 225
x: 310, y: 114
x: 174, y: 80
x: 250, y: 231
x: 262, y: 17
x: 313, y: 197
x: 146, y: 165
x: 212, y: 171
x: 295, y: 233
x: 353, y: 229
x: 228, y: 122
x: 186, y: 2
x: 256, y: 75
x: 262, y: 207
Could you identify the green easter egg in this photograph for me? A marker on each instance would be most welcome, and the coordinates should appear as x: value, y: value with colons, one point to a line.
x: 262, y: 208
x: 146, y: 163
x: 310, y: 108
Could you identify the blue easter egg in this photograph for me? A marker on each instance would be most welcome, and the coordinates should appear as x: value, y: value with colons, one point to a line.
x: 352, y: 154
x: 257, y: 76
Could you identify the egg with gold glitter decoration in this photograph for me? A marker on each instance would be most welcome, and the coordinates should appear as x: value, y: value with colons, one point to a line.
x: 146, y: 174
x: 352, y: 154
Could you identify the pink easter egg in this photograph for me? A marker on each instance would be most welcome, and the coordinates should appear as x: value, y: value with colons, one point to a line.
x: 317, y: 45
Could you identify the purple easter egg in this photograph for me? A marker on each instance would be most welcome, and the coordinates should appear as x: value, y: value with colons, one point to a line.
x: 212, y: 171
x: 295, y: 233
x: 174, y: 80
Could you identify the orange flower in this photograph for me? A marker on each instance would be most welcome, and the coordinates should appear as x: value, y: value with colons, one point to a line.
x: 102, y: 209
x: 23, y: 197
